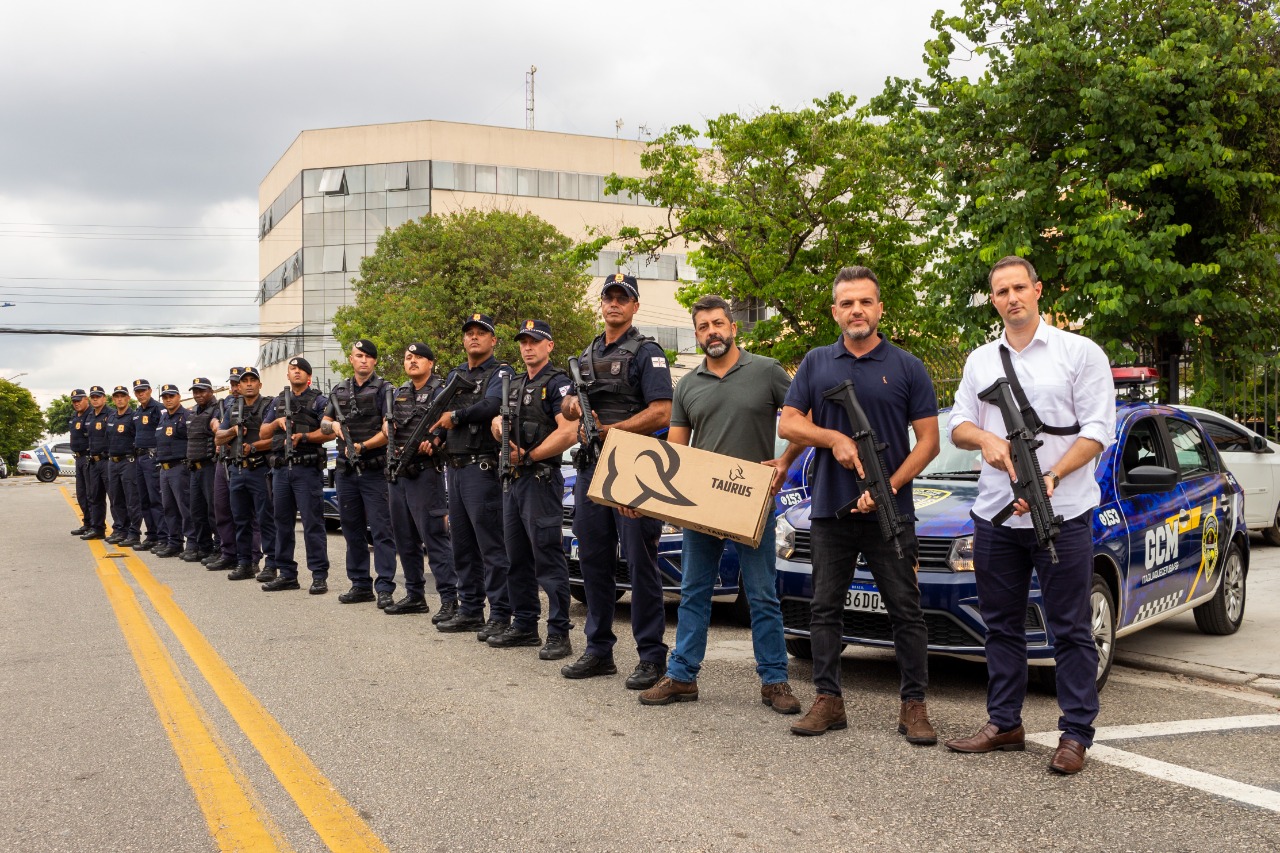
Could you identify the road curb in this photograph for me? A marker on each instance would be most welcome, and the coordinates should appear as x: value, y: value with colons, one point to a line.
x: 1222, y: 675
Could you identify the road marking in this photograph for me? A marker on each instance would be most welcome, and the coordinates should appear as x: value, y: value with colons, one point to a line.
x: 1218, y: 786
x: 235, y: 816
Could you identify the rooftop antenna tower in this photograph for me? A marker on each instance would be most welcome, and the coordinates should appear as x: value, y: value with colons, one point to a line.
x: 528, y: 97
x: 617, y: 128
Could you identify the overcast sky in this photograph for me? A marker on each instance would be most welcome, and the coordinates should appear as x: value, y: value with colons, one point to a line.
x: 135, y: 133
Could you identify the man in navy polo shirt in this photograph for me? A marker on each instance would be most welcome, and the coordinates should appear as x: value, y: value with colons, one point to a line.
x: 896, y: 392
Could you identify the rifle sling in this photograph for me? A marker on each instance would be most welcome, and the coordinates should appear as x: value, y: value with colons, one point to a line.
x: 1029, y: 413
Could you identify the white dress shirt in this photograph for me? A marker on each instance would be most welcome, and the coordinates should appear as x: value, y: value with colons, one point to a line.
x: 1067, y: 380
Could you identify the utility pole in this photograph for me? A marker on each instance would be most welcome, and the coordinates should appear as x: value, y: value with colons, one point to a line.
x: 528, y: 97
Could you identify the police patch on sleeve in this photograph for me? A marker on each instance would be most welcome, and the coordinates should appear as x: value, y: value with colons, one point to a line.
x: 563, y: 390
x: 658, y: 361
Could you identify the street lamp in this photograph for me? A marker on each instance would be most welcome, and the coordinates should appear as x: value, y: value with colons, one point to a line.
x: 16, y: 376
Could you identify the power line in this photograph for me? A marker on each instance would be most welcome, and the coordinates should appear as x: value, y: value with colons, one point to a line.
x: 138, y: 333
x: 130, y: 280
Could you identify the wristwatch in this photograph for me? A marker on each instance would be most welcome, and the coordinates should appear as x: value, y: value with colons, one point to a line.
x: 1054, y: 477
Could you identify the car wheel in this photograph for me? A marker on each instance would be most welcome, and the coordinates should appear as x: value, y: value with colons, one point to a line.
x: 800, y: 647
x: 1271, y: 535
x: 741, y: 608
x: 578, y: 593
x: 1223, y: 613
x: 47, y: 474
x: 1102, y: 624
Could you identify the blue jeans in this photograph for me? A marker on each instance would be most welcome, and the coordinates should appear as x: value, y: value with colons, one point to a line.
x: 700, y: 563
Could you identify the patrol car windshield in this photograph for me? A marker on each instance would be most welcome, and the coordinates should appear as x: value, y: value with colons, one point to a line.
x: 951, y: 463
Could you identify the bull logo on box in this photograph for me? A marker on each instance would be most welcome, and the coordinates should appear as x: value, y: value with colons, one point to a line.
x: 667, y: 494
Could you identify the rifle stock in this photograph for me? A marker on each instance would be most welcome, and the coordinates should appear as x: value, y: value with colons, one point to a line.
x: 504, y: 453
x: 289, y: 450
x: 237, y: 420
x: 431, y: 413
x: 590, y: 427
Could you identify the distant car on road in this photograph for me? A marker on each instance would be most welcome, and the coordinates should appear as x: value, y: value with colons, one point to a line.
x: 47, y: 461
x: 1255, y: 462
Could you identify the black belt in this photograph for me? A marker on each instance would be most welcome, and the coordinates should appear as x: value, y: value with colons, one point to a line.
x: 485, y: 462
x: 197, y: 464
x: 123, y: 457
x: 149, y: 452
x: 79, y: 454
x: 97, y: 457
x: 167, y: 464
x: 537, y: 469
x: 249, y: 462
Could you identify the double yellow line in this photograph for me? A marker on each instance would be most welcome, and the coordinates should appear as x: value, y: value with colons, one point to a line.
x: 236, y: 817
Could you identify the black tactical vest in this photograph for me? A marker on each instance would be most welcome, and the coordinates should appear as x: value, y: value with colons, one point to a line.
x: 608, y: 378
x: 360, y: 408
x: 79, y: 435
x: 199, y: 435
x: 252, y: 422
x: 409, y: 405
x: 305, y: 418
x: 473, y: 439
x: 533, y: 422
x: 171, y: 435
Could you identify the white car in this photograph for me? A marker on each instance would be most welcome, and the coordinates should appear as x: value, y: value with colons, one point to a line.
x: 1255, y: 463
x: 47, y: 461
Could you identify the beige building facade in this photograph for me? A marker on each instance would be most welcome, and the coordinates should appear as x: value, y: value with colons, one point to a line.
x: 333, y: 192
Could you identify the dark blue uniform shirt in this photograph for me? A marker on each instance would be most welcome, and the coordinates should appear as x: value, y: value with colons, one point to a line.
x: 79, y: 431
x: 120, y: 433
x: 145, y: 420
x: 893, y: 388
x: 96, y: 426
x: 171, y: 435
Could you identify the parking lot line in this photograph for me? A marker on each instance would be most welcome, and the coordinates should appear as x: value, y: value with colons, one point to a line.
x: 1180, y: 727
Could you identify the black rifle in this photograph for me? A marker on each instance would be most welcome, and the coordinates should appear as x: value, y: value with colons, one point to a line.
x: 289, y: 450
x: 1028, y: 482
x: 237, y: 420
x: 875, y: 477
x: 590, y: 428
x: 504, y: 453
x: 355, y: 462
x: 457, y: 384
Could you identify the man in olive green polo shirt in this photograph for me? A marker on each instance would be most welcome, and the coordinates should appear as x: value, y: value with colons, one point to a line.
x: 728, y: 405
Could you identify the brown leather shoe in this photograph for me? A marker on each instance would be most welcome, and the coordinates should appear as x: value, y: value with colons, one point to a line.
x: 668, y: 690
x: 780, y: 698
x: 826, y: 713
x: 913, y: 722
x: 1068, y: 758
x: 989, y: 739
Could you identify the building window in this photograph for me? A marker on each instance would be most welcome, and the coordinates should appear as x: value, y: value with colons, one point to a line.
x: 397, y: 176
x: 486, y: 179
x: 334, y: 260
x: 333, y: 182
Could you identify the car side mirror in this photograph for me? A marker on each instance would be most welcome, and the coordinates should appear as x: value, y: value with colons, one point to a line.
x: 1258, y: 444
x: 1148, y: 479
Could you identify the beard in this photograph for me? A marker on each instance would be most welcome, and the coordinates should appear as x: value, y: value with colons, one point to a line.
x: 860, y: 334
x: 716, y: 346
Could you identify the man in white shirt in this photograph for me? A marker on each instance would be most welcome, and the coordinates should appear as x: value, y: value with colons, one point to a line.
x: 1067, y: 381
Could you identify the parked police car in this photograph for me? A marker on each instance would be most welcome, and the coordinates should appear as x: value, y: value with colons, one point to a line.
x: 1169, y: 536
x: 47, y: 461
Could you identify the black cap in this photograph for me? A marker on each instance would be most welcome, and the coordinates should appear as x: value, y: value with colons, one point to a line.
x: 367, y: 347
x: 169, y: 388
x: 120, y: 389
x: 236, y: 373
x: 484, y: 321
x: 201, y: 383
x: 96, y: 391
x: 78, y: 394
x: 421, y: 350
x: 299, y: 361
x: 539, y: 329
x: 245, y: 373
x: 141, y: 385
x: 624, y: 281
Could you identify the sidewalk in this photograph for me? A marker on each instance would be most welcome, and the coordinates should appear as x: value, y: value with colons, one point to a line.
x: 1251, y: 656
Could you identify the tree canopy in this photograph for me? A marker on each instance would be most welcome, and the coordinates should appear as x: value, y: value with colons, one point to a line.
x: 1130, y: 151
x: 57, y: 415
x: 428, y: 275
x: 23, y: 422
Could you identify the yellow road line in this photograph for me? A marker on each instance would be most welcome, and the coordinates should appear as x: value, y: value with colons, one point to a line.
x: 236, y: 818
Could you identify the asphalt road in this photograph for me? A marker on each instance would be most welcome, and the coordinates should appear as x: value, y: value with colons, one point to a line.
x: 151, y: 705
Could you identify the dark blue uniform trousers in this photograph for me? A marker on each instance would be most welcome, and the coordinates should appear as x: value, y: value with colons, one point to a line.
x: 122, y: 486
x: 82, y: 485
x: 175, y: 494
x: 479, y: 552
x: 362, y: 506
x: 147, y: 483
x: 251, y: 500
x: 599, y: 530
x: 1003, y: 560
x: 200, y: 491
x: 533, y: 513
x: 224, y: 520
x: 96, y: 494
x: 418, y: 510
x: 299, y: 490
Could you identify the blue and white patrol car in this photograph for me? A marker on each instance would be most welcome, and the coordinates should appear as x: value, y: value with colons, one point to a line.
x: 47, y: 461
x: 1169, y: 536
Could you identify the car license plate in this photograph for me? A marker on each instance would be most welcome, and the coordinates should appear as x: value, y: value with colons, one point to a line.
x: 864, y: 599
x: 573, y: 549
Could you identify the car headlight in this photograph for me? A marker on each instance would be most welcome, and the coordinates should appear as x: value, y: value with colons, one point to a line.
x: 961, y: 557
x: 786, y: 539
x: 670, y: 528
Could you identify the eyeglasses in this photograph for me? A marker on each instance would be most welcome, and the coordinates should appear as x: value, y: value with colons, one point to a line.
x: 620, y: 298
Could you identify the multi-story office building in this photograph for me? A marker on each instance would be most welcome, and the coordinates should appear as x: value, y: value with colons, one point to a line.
x: 335, y: 191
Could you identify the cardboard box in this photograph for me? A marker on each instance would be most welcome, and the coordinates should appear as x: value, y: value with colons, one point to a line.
x: 696, y: 489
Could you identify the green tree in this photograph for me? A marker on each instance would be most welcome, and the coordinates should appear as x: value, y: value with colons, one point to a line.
x: 57, y: 414
x: 428, y: 275
x: 777, y: 204
x: 1129, y: 150
x: 22, y: 420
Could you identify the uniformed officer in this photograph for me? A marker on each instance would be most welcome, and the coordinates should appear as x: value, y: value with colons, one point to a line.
x: 475, y: 496
x: 95, y: 424
x: 145, y: 419
x: 532, y: 505
x: 247, y: 471
x: 417, y: 495
x: 297, y: 479
x: 122, y: 478
x: 629, y: 386
x: 200, y: 464
x: 175, y: 485
x: 355, y: 416
x: 224, y: 554
x: 80, y: 450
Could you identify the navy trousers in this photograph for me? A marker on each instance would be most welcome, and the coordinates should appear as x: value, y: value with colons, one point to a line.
x: 600, y: 530
x: 479, y: 552
x: 533, y: 513
x: 82, y: 486
x: 299, y: 490
x: 147, y: 483
x: 122, y: 487
x: 96, y: 494
x: 418, y: 511
x: 251, y: 500
x: 175, y: 495
x: 363, y: 511
x: 1003, y: 560
x: 200, y: 490
x: 224, y: 519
